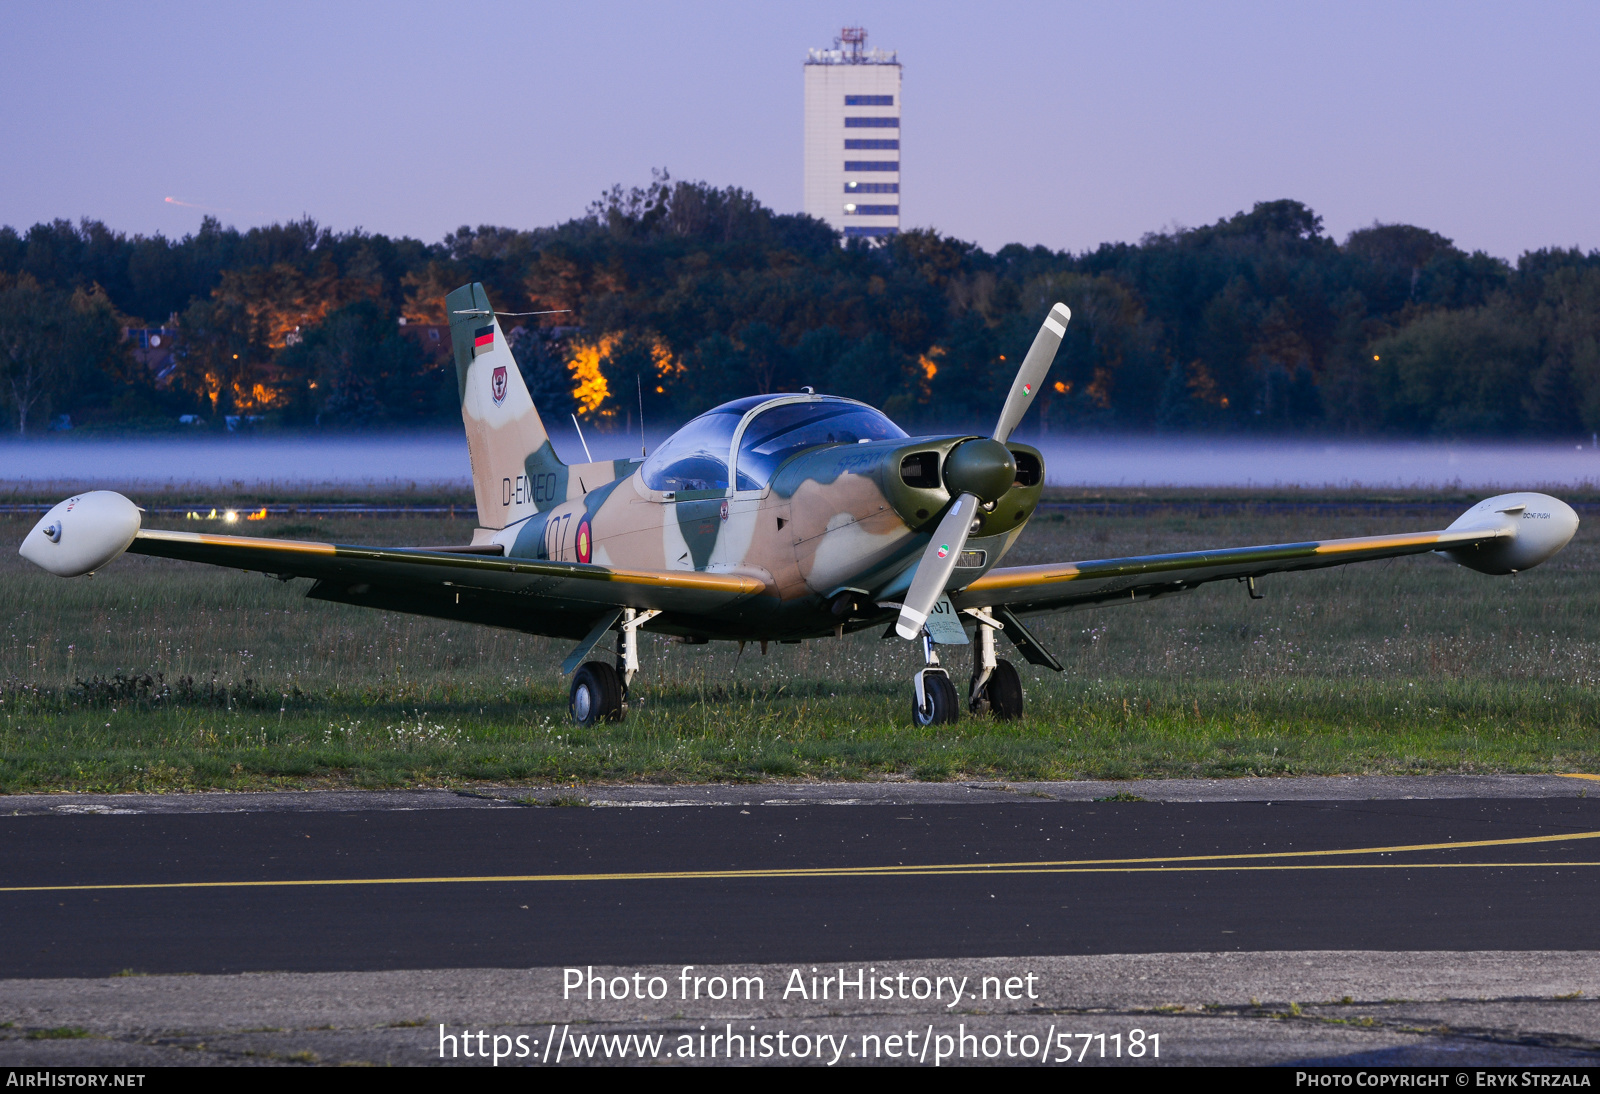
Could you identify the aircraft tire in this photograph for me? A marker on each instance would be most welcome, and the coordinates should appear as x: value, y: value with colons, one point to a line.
x: 1004, y: 692
x: 596, y: 694
x: 943, y: 704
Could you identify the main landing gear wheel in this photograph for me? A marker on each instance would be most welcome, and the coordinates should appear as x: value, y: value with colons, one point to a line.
x: 1001, y: 695
x: 596, y: 694
x: 940, y: 704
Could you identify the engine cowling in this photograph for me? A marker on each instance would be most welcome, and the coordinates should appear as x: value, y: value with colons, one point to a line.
x: 82, y: 534
x: 1540, y: 526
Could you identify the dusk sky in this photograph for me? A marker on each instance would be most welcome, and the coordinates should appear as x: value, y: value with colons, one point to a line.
x: 1061, y: 124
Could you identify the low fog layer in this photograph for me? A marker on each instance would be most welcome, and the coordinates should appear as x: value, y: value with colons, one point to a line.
x: 441, y: 459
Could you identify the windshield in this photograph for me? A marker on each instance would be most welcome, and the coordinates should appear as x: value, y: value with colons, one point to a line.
x: 696, y: 456
x: 775, y: 435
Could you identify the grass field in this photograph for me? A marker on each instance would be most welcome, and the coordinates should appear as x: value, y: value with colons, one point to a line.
x: 158, y: 675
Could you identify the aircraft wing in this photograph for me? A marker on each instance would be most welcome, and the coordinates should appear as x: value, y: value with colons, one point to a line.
x: 559, y: 599
x: 1052, y: 587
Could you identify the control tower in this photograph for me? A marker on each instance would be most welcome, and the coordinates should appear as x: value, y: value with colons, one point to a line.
x: 852, y: 154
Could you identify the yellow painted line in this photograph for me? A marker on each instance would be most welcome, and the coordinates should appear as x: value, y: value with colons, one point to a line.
x: 757, y: 875
x: 1394, y: 850
x: 1263, y: 868
x: 1574, y: 775
x: 1185, y: 863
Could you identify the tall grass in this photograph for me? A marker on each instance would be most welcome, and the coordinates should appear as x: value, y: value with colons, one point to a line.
x: 161, y: 675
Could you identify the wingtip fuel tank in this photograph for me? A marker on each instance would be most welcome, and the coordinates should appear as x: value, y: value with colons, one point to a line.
x: 1536, y: 526
x: 82, y: 534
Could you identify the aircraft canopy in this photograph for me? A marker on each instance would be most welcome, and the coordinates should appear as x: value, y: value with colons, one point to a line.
x: 774, y: 429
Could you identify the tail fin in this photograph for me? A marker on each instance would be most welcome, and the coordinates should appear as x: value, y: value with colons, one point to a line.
x: 515, y: 471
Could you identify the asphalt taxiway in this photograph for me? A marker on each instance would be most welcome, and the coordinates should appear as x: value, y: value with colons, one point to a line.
x: 1444, y: 875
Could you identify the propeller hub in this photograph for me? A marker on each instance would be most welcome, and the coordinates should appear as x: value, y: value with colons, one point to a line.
x: 983, y: 467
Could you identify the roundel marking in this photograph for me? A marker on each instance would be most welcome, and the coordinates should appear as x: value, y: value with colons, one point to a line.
x: 584, y: 544
x: 944, y: 549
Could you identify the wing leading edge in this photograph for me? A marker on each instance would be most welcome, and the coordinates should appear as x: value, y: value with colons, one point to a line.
x: 1499, y: 535
x: 560, y: 599
x: 1026, y: 589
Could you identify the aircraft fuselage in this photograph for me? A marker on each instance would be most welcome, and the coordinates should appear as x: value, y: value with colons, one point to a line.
x: 833, y: 520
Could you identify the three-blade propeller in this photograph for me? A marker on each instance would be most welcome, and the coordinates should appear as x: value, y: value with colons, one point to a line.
x: 978, y: 472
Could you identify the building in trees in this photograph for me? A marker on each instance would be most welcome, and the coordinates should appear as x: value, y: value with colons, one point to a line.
x: 153, y: 348
x: 432, y: 338
x: 852, y: 136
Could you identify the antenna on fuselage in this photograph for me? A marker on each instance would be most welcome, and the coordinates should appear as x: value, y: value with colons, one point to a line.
x: 581, y: 441
x: 638, y: 383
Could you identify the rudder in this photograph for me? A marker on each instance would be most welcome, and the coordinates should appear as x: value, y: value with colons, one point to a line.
x: 515, y: 471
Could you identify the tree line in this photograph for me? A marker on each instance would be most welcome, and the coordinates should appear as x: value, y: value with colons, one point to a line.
x: 679, y: 295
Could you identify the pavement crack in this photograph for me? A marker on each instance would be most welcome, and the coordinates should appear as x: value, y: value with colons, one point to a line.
x: 492, y: 798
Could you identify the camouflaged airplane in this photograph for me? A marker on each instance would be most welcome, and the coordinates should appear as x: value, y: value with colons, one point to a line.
x: 772, y: 518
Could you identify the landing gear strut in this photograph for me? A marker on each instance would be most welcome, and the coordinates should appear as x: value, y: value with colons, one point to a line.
x: 599, y: 691
x: 935, y: 701
x: 996, y: 687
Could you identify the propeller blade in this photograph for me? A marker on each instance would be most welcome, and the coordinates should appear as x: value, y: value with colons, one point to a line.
x: 933, y: 572
x: 1031, y: 374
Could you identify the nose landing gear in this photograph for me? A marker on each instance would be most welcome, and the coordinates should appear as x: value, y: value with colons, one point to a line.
x: 934, y: 701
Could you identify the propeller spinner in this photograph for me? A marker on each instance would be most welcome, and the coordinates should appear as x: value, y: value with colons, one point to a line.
x: 978, y: 472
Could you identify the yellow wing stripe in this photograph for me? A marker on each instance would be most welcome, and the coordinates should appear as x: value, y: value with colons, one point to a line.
x: 289, y: 546
x: 1368, y: 543
x: 687, y: 579
x: 1027, y: 577
x: 668, y: 579
x: 1023, y: 577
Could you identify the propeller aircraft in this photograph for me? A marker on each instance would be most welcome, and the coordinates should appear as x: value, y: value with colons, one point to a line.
x: 769, y: 518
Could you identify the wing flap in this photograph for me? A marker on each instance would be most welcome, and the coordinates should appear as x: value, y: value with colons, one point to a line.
x: 532, y: 614
x: 1081, y: 584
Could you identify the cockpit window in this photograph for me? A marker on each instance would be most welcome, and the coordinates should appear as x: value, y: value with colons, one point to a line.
x: 774, y: 435
x: 696, y: 456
